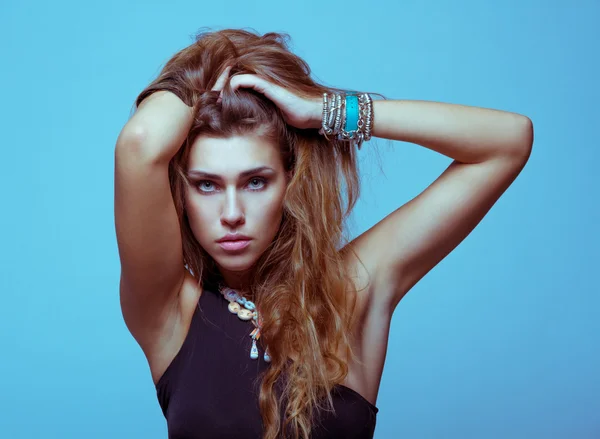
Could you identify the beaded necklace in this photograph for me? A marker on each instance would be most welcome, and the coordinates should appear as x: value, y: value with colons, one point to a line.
x: 248, y: 312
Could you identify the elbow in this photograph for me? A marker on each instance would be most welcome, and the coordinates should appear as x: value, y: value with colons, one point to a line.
x: 132, y: 145
x: 523, y: 142
x: 527, y: 134
x: 130, y: 135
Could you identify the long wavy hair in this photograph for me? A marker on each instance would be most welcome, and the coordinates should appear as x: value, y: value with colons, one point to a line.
x: 300, y: 284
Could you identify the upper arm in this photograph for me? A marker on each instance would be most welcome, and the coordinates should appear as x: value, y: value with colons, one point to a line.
x: 398, y: 251
x: 148, y: 237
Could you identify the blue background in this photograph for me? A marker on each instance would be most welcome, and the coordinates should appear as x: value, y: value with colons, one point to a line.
x: 500, y: 340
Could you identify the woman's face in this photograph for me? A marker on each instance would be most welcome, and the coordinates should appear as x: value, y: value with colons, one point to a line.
x: 235, y: 198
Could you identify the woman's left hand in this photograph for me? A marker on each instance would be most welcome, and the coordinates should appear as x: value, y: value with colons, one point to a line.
x: 297, y: 111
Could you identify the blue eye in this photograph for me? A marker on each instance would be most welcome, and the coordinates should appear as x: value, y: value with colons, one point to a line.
x: 257, y: 183
x: 206, y: 186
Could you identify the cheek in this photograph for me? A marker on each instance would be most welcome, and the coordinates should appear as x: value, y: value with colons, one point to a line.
x: 268, y: 214
x: 200, y: 215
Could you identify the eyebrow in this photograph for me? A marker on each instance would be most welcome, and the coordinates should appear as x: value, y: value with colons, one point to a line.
x: 199, y: 173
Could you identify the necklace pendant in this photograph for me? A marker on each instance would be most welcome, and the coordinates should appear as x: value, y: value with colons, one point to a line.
x: 229, y: 294
x: 254, y: 350
x: 245, y: 314
x: 233, y: 307
x: 249, y: 305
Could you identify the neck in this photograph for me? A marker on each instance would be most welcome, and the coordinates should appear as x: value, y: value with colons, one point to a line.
x: 237, y: 280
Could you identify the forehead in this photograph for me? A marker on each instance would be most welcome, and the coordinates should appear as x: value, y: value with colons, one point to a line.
x: 232, y: 154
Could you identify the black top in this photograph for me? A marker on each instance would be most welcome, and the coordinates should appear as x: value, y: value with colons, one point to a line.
x: 210, y: 389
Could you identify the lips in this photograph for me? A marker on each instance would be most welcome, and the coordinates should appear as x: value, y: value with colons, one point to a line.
x: 236, y: 245
x: 234, y: 242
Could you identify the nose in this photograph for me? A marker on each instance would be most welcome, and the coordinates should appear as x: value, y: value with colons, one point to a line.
x: 232, y: 213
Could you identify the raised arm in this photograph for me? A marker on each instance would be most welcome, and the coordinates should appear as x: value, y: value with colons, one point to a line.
x: 148, y: 232
x: 489, y: 148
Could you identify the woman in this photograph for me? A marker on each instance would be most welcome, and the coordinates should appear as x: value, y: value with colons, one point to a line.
x: 232, y: 182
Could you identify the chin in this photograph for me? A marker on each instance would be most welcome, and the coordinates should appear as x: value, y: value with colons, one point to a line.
x: 236, y: 262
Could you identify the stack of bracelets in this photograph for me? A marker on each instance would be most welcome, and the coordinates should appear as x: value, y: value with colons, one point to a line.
x: 347, y: 117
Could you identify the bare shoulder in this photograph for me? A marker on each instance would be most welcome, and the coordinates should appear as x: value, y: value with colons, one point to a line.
x: 170, y: 338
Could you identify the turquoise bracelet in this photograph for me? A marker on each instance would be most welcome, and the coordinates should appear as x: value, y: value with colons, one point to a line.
x: 351, y: 113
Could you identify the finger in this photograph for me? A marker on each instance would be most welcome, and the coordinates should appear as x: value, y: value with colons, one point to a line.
x: 249, y: 81
x: 222, y: 79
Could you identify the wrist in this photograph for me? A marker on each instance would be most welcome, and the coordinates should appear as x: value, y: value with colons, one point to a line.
x: 316, y: 119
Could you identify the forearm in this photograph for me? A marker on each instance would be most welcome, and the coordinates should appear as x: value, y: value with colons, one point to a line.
x: 466, y: 134
x: 160, y: 125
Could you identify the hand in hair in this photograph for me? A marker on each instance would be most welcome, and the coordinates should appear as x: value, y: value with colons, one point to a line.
x: 299, y: 112
x: 222, y: 80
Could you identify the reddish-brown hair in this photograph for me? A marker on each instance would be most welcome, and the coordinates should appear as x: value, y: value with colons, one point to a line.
x: 300, y: 285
